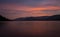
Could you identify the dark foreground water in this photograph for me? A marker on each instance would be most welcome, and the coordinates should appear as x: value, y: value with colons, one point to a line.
x: 30, y: 29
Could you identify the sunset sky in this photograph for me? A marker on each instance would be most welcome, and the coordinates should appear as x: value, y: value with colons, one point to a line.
x: 29, y: 8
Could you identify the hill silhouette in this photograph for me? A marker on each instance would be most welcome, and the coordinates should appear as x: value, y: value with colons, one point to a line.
x: 3, y: 18
x: 54, y: 17
x: 42, y: 18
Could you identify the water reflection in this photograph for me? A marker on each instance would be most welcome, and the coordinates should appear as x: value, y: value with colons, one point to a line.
x: 30, y: 28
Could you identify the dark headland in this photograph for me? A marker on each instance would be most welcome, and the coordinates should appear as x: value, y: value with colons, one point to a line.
x: 4, y: 19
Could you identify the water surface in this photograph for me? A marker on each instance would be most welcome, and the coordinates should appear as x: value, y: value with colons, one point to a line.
x: 30, y: 28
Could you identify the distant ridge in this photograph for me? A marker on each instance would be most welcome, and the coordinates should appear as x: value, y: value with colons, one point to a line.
x: 3, y: 18
x: 43, y: 18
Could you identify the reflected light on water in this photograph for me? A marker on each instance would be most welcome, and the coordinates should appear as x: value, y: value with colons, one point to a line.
x: 30, y: 28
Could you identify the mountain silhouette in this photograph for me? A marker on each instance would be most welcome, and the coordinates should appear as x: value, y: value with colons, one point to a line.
x: 42, y: 18
x: 54, y: 17
x: 3, y: 18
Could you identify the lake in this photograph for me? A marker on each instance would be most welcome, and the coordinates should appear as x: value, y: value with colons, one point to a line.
x: 29, y: 28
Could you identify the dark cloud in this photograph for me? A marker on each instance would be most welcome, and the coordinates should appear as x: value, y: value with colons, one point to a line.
x: 32, y: 3
x: 11, y: 1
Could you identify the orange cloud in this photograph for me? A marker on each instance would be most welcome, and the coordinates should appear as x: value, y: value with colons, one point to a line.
x: 28, y: 8
x: 42, y: 8
x: 46, y: 8
x: 34, y: 15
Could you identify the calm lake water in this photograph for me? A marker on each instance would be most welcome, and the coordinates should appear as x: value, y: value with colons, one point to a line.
x: 30, y: 29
